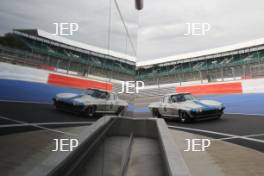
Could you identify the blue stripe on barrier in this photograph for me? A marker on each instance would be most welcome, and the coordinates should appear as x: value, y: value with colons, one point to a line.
x: 240, y: 103
x: 14, y: 90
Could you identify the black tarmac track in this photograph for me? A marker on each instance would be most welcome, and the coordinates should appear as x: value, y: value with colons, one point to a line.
x: 232, y: 124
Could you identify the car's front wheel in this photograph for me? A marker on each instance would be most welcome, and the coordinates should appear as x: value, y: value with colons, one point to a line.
x: 90, y: 111
x: 155, y: 113
x: 120, y: 111
x: 184, y: 117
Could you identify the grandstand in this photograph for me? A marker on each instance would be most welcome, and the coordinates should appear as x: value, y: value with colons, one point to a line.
x: 38, y: 48
x: 240, y: 61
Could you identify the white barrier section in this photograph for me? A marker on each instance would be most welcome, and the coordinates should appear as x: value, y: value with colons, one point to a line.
x: 25, y: 73
x: 253, y: 85
x: 18, y: 72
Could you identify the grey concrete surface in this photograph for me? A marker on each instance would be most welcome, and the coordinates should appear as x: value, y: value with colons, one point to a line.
x: 221, y: 159
x: 146, y: 159
x: 150, y: 128
x: 21, y: 153
x: 153, y: 150
x: 107, y: 159
x: 173, y: 159
x: 144, y: 127
x: 60, y: 162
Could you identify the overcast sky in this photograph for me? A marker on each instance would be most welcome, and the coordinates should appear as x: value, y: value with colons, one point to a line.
x: 163, y: 25
x: 157, y: 31
x: 91, y: 15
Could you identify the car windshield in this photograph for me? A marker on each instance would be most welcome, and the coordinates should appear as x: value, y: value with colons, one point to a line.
x: 96, y: 93
x: 182, y: 97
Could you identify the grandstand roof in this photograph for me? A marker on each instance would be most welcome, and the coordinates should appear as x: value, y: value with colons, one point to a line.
x: 63, y: 40
x: 248, y: 44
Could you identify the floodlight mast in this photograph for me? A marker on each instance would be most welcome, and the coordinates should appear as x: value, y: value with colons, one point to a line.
x: 139, y: 4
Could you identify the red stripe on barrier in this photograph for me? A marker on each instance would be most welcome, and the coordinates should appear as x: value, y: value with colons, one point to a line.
x: 209, y: 89
x: 67, y: 81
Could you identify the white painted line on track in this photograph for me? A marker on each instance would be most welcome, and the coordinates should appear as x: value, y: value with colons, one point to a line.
x: 235, y: 137
x: 255, y: 135
x: 37, y: 126
x: 46, y: 123
x: 244, y: 114
x: 31, y: 102
x: 230, y: 136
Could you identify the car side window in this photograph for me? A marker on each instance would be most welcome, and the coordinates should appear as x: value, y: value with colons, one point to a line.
x: 169, y: 100
x: 174, y: 99
x: 177, y: 98
x: 103, y: 95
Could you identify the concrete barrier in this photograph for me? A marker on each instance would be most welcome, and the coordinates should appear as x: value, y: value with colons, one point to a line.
x: 240, y: 87
x: 207, y: 89
x: 75, y: 82
x: 153, y: 132
x: 253, y: 85
x: 23, y: 73
x: 59, y: 162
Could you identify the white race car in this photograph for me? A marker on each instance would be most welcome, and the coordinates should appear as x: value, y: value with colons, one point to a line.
x: 186, y: 107
x: 90, y: 102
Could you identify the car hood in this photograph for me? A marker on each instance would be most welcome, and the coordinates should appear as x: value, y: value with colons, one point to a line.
x: 203, y: 104
x: 78, y: 98
x: 66, y: 95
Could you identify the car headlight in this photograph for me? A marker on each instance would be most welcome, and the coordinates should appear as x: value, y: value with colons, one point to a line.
x: 197, y: 110
x: 77, y: 103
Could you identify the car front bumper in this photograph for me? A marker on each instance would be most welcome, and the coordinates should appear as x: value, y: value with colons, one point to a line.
x: 69, y: 107
x: 207, y: 114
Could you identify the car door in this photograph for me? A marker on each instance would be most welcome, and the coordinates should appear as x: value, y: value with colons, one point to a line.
x: 170, y: 107
x: 177, y: 105
x: 101, y: 103
x: 163, y: 106
x: 111, y: 103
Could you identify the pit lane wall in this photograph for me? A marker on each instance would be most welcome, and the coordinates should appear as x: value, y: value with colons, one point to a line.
x: 22, y: 73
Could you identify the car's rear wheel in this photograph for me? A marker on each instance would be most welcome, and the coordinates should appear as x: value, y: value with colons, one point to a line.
x: 120, y: 111
x: 90, y: 111
x: 55, y: 105
x: 184, y: 117
x: 155, y: 113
